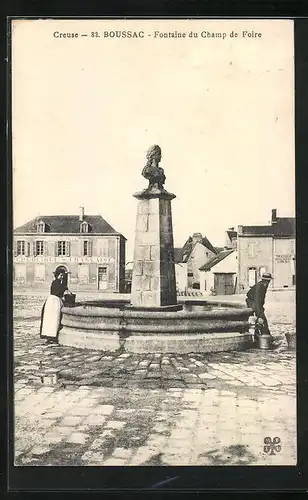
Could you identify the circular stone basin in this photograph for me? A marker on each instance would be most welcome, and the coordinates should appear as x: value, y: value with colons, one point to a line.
x: 199, y: 327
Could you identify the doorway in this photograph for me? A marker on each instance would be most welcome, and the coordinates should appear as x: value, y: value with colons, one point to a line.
x: 102, y: 278
x: 63, y: 269
x: 224, y: 283
x: 252, y: 276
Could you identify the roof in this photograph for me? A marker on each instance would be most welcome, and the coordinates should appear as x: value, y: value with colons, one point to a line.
x: 231, y: 233
x: 205, y: 242
x: 67, y: 224
x: 177, y: 254
x: 257, y: 230
x: 182, y: 254
x: 218, y: 258
x: 219, y: 249
x: 283, y: 227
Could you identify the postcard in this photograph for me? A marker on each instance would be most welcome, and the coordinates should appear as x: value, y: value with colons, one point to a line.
x: 154, y: 259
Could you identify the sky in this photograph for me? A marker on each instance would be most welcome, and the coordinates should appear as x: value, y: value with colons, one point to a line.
x: 85, y: 110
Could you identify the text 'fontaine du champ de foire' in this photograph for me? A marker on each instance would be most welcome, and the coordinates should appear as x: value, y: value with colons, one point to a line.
x: 110, y: 34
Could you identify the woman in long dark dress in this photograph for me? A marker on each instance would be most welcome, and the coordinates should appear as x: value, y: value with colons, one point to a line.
x: 51, y: 311
x: 58, y: 288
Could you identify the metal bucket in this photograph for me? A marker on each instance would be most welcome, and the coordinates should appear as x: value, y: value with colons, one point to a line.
x: 264, y: 341
x: 291, y: 340
x: 69, y: 299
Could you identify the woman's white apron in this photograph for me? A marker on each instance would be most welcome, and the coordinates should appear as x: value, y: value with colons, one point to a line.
x: 51, y: 316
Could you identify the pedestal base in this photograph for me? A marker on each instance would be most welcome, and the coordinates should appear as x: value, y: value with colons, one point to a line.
x: 137, y: 330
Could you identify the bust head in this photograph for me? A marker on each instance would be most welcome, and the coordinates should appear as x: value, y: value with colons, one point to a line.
x: 154, y: 153
x: 152, y: 171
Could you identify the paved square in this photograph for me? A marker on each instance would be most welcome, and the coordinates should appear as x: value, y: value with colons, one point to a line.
x: 122, y: 409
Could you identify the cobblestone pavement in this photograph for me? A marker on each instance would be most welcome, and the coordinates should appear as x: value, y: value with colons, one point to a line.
x: 99, y: 408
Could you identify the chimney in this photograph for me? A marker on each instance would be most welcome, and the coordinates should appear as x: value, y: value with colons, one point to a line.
x: 196, y: 238
x: 81, y: 214
x: 227, y: 240
x: 274, y: 215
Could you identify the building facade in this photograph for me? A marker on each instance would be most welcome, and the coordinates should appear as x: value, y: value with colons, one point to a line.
x: 219, y: 275
x: 196, y: 251
x: 270, y: 249
x: 86, y: 247
x: 181, y: 276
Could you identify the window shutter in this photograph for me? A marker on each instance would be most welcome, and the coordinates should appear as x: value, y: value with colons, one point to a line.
x: 34, y: 248
x: 105, y: 248
x: 111, y: 248
x: 56, y: 248
x: 81, y: 248
x: 67, y: 248
x: 45, y: 248
x: 90, y: 248
x: 28, y: 248
x: 15, y: 248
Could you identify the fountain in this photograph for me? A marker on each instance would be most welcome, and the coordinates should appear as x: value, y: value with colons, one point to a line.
x: 153, y: 321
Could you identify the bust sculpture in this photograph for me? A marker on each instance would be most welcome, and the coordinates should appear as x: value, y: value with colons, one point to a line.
x: 152, y: 171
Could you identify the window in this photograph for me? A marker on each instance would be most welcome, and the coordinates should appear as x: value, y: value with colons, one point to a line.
x: 204, y: 284
x: 41, y: 227
x: 62, y: 248
x: 21, y: 247
x: 39, y: 248
x: 190, y: 274
x: 84, y: 227
x: 251, y: 249
x: 85, y: 248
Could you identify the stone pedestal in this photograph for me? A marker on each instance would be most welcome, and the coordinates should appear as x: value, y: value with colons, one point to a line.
x: 153, y: 280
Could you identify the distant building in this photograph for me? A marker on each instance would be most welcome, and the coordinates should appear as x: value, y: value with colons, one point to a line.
x: 85, y: 246
x: 231, y: 238
x: 128, y: 277
x: 268, y: 248
x: 196, y: 251
x: 219, y: 275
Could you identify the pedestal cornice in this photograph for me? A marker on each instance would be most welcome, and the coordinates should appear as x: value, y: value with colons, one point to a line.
x: 147, y: 194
